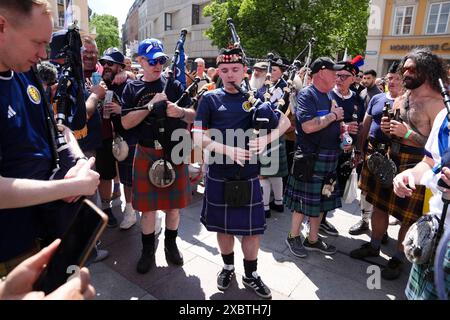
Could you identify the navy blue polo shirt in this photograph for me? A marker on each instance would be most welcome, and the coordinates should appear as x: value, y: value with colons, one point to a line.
x: 24, y: 153
x: 312, y: 103
x: 348, y: 104
x: 375, y: 110
x: 221, y: 111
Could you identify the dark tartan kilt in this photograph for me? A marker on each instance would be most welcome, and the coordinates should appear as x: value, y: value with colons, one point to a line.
x: 147, y: 197
x: 126, y: 167
x: 276, y: 167
x: 407, y: 209
x: 219, y: 217
x: 306, y: 197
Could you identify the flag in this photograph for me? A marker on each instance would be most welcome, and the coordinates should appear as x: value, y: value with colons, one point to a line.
x: 358, y: 61
x: 345, y: 58
x: 68, y: 15
x: 180, y: 65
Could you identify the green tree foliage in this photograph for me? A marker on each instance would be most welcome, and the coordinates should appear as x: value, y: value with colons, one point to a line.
x: 107, y: 29
x: 284, y: 27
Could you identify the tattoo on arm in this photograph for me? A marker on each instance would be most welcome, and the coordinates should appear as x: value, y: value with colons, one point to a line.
x: 324, y: 121
x: 419, y: 138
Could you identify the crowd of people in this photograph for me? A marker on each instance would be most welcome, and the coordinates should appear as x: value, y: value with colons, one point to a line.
x: 295, y: 151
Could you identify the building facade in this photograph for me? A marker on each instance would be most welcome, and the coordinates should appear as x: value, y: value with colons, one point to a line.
x: 397, y: 26
x: 165, y: 19
x: 80, y: 11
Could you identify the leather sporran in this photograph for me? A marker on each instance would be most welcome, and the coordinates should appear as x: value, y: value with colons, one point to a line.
x: 162, y: 174
x: 303, y: 166
x: 120, y: 148
x: 383, y: 168
x: 237, y: 193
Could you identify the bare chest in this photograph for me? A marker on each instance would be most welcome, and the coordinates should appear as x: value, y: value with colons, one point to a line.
x: 414, y: 114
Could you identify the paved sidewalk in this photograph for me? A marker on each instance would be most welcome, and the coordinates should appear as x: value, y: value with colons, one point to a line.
x: 317, y: 277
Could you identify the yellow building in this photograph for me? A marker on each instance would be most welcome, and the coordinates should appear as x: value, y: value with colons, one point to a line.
x: 397, y: 26
x: 80, y: 13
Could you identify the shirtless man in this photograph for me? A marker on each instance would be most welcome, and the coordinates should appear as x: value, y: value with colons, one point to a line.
x: 416, y: 109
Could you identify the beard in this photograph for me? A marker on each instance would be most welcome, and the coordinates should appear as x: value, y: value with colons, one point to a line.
x: 108, y: 75
x: 256, y: 83
x: 413, y: 83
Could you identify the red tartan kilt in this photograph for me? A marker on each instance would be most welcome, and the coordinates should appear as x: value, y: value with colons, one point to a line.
x: 147, y: 197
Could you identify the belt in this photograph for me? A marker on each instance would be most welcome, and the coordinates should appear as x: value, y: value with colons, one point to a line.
x: 7, y: 266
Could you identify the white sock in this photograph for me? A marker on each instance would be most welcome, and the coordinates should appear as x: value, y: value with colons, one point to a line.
x: 277, y: 188
x: 228, y: 267
x: 265, y: 184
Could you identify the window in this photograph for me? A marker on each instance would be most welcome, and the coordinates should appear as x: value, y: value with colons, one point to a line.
x: 403, y: 20
x: 438, y: 18
x: 195, y: 14
x: 167, y: 21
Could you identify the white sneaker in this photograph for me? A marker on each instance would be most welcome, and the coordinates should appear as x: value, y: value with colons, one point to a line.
x: 158, y: 222
x: 116, y: 202
x: 129, y: 219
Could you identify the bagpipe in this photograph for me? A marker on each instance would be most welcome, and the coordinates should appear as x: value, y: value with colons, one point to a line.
x: 162, y: 172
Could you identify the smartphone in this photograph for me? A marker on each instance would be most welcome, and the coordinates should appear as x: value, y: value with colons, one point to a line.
x: 96, y: 78
x: 108, y: 98
x: 75, y: 247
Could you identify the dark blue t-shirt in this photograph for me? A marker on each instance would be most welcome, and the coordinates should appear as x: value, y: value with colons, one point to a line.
x: 24, y: 153
x: 349, y: 104
x: 375, y: 110
x: 221, y: 111
x: 138, y: 93
x: 312, y: 103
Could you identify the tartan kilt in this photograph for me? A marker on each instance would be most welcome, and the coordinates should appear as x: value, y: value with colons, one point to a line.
x: 147, y: 197
x: 217, y: 216
x: 280, y: 164
x: 408, y: 209
x: 421, y: 287
x: 306, y: 197
x: 126, y: 167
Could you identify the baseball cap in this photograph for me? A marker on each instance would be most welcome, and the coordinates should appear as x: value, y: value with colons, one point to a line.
x: 113, y: 55
x: 57, y: 43
x: 325, y: 63
x: 151, y: 49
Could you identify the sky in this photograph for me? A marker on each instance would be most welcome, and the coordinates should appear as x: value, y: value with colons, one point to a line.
x: 117, y: 8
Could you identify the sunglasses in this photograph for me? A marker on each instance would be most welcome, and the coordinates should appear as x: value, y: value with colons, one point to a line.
x: 410, y: 69
x: 160, y: 60
x: 343, y: 77
x: 109, y: 63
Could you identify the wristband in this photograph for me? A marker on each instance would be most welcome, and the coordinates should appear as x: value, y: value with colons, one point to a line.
x: 408, y: 134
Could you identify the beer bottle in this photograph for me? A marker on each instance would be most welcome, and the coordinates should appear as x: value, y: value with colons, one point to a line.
x: 386, y: 108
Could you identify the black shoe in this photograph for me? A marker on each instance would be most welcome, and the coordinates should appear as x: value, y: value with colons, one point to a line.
x: 393, y: 269
x: 267, y: 213
x: 328, y: 228
x: 359, y: 228
x: 112, y: 221
x: 385, y: 239
x: 276, y: 207
x: 173, y: 255
x: 146, y: 261
x: 320, y: 246
x: 257, y: 285
x: 224, y: 279
x: 366, y: 250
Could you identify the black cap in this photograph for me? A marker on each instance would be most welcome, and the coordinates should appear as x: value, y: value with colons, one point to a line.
x: 325, y: 63
x: 230, y: 55
x: 282, y: 63
x: 348, y: 66
x: 113, y: 55
x: 57, y: 44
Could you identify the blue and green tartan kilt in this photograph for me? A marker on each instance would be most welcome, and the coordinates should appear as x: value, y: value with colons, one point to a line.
x: 277, y: 167
x: 422, y: 287
x: 217, y: 216
x: 126, y: 167
x: 306, y: 197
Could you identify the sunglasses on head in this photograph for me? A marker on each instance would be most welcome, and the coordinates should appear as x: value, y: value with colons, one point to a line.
x: 109, y: 63
x: 161, y: 60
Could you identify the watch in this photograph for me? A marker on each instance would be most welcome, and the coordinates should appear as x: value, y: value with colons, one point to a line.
x: 150, y: 107
x: 79, y: 158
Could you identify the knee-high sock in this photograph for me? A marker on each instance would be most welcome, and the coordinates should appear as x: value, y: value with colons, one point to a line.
x: 277, y: 187
x: 366, y: 209
x: 265, y: 185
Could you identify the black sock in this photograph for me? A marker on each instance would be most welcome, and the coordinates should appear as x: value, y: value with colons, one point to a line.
x: 148, y: 240
x: 324, y: 217
x: 170, y: 234
x: 250, y: 267
x: 228, y: 259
